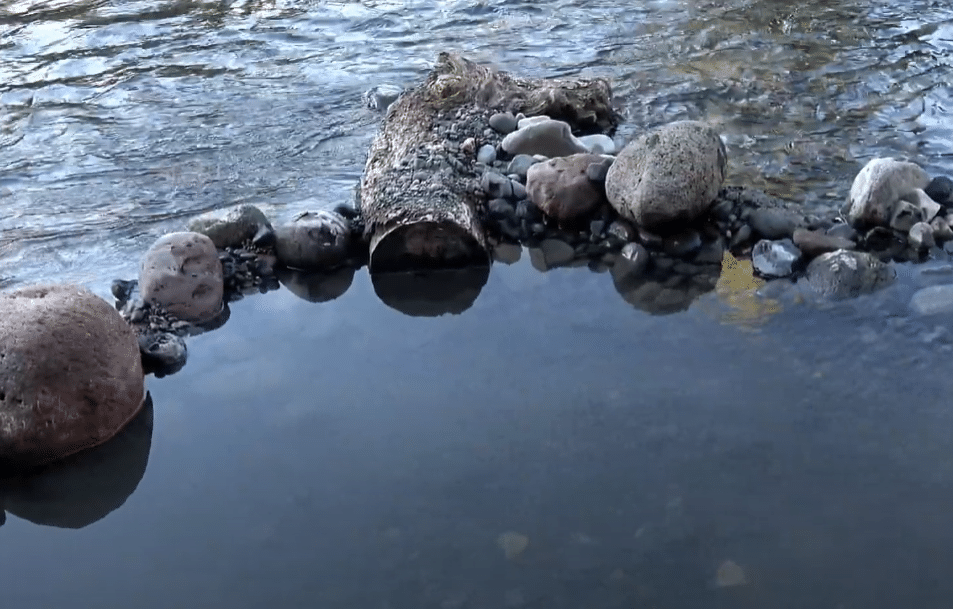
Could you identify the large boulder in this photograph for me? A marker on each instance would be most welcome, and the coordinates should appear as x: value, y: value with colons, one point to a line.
x: 182, y: 274
x: 70, y: 374
x: 669, y: 175
x: 562, y: 189
x: 878, y: 187
x: 318, y: 240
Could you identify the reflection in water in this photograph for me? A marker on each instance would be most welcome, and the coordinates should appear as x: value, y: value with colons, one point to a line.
x: 84, y: 488
x: 316, y: 286
x: 431, y: 293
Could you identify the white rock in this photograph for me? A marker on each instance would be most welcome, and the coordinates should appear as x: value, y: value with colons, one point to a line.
x: 546, y: 137
x: 598, y: 143
x: 531, y: 120
x: 928, y: 206
x: 921, y: 236
x: 878, y: 187
x: 933, y: 300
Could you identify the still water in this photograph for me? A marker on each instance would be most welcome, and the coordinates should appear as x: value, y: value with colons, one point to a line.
x: 550, y: 446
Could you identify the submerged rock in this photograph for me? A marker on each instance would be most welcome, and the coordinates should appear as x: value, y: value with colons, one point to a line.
x: 933, y: 300
x: 775, y: 258
x: 844, y: 274
x: 940, y: 189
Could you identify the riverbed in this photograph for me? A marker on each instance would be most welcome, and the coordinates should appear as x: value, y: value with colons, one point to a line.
x: 551, y: 445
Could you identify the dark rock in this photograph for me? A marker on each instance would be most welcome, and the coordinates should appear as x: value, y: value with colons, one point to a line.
x: 596, y: 228
x: 496, y: 186
x: 122, y: 290
x: 683, y: 244
x: 631, y: 263
x: 501, y: 208
x: 650, y: 239
x: 529, y: 211
x: 940, y: 189
x: 941, y: 229
x: 597, y: 171
x: 621, y: 231
x: 775, y: 258
x: 814, y: 243
x: 711, y: 252
x: 503, y: 122
x: 905, y: 215
x: 879, y: 239
x: 774, y: 223
x: 163, y: 353
x: 741, y: 236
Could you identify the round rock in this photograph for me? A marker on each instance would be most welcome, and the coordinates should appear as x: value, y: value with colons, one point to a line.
x: 233, y: 226
x: 182, y: 274
x: 70, y: 374
x: 313, y: 241
x: 877, y: 188
x: 562, y: 189
x: 669, y: 175
x: 845, y: 274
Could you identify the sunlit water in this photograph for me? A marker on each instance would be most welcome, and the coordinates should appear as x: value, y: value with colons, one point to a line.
x: 345, y: 455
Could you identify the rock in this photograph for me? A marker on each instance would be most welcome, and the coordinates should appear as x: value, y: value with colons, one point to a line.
x: 525, y: 121
x: 519, y: 191
x: 507, y: 253
x: 181, y: 274
x: 313, y: 241
x: 527, y: 210
x: 921, y: 236
x: 670, y: 175
x: 500, y: 208
x: 682, y: 244
x: 928, y: 207
x: 233, y: 226
x: 621, y: 231
x: 940, y: 189
x: 905, y: 215
x: 774, y: 223
x: 813, y: 243
x: 877, y: 188
x: 520, y: 165
x: 775, y: 258
x: 548, y: 137
x: 70, y: 374
x: 381, y: 97
x: 551, y: 253
x: 597, y: 171
x: 496, y: 186
x: 598, y: 143
x: 843, y: 230
x: 933, y: 300
x: 561, y: 189
x: 844, y: 274
x: 880, y: 239
x: 503, y: 122
x: 631, y: 263
x: 163, y: 353
x: 317, y: 286
x: 941, y: 229
x: 486, y: 154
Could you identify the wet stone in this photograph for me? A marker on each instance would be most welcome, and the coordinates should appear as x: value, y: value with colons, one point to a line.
x: 596, y: 172
x: 814, y: 243
x: 503, y: 123
x: 486, y: 154
x: 905, y: 215
x: 621, y: 231
x: 527, y: 210
x: 774, y: 223
x: 775, y: 258
x: 921, y: 236
x: 843, y: 230
x: 520, y: 165
x: 933, y: 300
x: 940, y: 189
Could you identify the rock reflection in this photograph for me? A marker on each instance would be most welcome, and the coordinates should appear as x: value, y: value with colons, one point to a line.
x: 431, y: 293
x: 86, y: 487
x: 316, y: 286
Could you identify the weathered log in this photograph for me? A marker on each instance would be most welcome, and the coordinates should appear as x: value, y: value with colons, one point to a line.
x: 420, y: 192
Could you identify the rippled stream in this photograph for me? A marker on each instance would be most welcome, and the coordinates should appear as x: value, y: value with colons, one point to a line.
x: 550, y: 447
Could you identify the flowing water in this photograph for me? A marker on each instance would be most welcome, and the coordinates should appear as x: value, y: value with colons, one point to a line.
x: 550, y: 446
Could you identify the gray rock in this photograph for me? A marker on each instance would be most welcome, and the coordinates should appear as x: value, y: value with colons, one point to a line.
x: 933, y: 300
x: 843, y: 230
x: 313, y: 241
x: 905, y: 215
x: 877, y: 188
x: 500, y: 208
x: 182, y: 274
x: 551, y: 253
x: 742, y: 235
x: 774, y: 223
x: 940, y: 189
x: 813, y: 243
x: 381, y: 97
x: 845, y: 274
x: 496, y: 186
x: 546, y: 137
x: 775, y: 258
x: 561, y: 189
x: 921, y: 236
x: 928, y: 207
x: 486, y: 154
x: 669, y: 175
x: 232, y: 226
x: 503, y: 122
x: 598, y: 143
x: 507, y: 253
x: 520, y: 165
x: 163, y: 353
x: 597, y: 171
x: 519, y: 191
x: 526, y: 121
x: 621, y: 231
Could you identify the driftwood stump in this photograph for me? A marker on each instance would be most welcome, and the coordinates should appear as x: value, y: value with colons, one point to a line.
x: 420, y: 192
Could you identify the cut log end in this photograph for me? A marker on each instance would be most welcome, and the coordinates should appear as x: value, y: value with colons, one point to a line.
x: 426, y: 245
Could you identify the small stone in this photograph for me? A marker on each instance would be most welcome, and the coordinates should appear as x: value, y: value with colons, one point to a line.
x: 743, y: 235
x: 877, y: 188
x: 561, y: 189
x: 940, y: 189
x: 507, y: 253
x: 813, y: 243
x: 520, y: 165
x: 683, y: 244
x: 631, y: 263
x: 596, y: 228
x: 928, y: 207
x: 921, y: 236
x: 500, y: 208
x: 711, y: 252
x: 486, y: 154
x: 598, y: 143
x: 905, y: 215
x: 844, y: 274
x: 650, y: 239
x: 774, y: 223
x: 529, y: 211
x: 496, y: 186
x: 547, y: 137
x: 941, y: 229
x: 621, y: 231
x: 597, y: 172
x: 775, y: 258
x: 519, y: 191
x: 843, y: 230
x: 503, y: 122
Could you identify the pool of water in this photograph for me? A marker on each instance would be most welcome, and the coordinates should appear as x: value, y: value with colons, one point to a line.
x: 551, y: 446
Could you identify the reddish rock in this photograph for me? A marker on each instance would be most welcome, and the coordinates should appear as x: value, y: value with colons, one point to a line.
x: 182, y: 274
x: 813, y: 243
x: 70, y: 374
x: 561, y: 188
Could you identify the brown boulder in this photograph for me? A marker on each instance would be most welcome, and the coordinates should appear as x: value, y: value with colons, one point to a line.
x: 182, y: 274
x: 70, y: 374
x: 562, y: 189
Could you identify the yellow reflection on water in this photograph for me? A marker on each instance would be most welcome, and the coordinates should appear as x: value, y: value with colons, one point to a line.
x: 738, y: 302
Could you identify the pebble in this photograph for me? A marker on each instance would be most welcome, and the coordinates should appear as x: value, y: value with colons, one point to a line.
x: 940, y: 189
x: 813, y: 243
x: 597, y: 172
x: 519, y: 191
x: 520, y: 165
x: 775, y: 258
x: 496, y: 186
x: 486, y: 154
x: 504, y: 123
x: 773, y: 223
x: 843, y: 230
x: 598, y: 143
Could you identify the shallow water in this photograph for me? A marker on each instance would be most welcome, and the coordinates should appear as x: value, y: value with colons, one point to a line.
x: 345, y: 455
